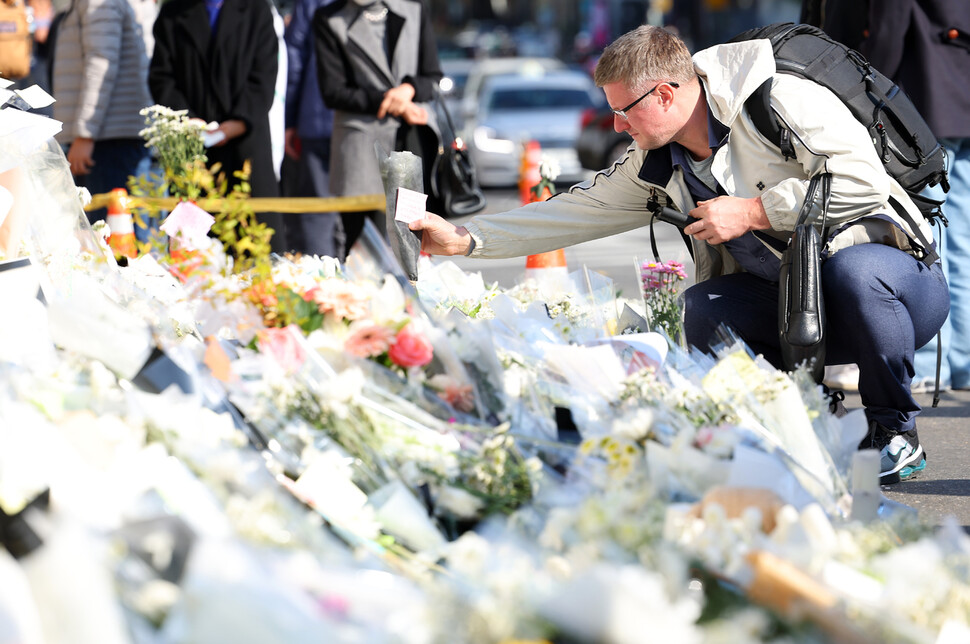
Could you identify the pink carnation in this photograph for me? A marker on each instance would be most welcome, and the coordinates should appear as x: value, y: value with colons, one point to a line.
x: 411, y: 349
x: 368, y: 340
x: 341, y: 298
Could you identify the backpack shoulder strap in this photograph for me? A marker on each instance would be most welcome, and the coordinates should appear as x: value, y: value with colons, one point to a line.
x: 929, y: 256
x: 759, y: 109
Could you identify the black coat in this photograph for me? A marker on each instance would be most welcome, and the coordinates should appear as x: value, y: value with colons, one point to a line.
x: 231, y: 76
x: 909, y: 41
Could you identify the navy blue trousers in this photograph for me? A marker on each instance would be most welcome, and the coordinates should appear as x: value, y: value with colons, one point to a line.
x: 880, y: 304
x: 114, y: 161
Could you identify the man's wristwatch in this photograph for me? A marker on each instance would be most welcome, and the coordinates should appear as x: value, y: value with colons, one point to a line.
x: 471, y: 246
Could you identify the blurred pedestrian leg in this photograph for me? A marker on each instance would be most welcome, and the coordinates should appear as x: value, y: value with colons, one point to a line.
x: 954, y: 245
x: 315, y: 233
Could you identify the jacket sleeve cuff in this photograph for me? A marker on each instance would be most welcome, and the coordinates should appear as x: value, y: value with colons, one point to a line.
x: 475, y: 250
x: 781, y: 207
x: 374, y: 98
x: 423, y: 88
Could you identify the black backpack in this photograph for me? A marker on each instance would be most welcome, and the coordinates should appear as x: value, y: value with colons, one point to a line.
x: 907, y: 146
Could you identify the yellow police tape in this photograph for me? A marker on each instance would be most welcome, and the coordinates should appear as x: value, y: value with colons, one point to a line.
x: 287, y: 205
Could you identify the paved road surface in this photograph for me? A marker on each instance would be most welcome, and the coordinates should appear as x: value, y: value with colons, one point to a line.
x: 942, y: 489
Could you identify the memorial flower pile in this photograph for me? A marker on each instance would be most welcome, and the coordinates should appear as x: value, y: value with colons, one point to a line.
x: 310, y: 450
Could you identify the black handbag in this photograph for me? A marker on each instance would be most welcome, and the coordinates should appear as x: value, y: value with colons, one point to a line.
x: 449, y: 175
x: 454, y: 182
x: 801, y: 305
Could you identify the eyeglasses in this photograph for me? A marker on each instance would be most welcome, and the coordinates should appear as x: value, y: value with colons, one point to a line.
x: 622, y: 113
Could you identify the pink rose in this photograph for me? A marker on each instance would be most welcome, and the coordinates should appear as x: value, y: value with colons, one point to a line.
x: 368, y: 340
x: 283, y: 346
x: 410, y: 349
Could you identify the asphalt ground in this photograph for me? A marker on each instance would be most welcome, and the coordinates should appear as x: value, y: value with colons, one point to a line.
x: 943, y: 488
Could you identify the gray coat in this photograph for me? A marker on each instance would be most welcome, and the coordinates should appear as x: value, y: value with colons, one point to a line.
x: 354, y: 73
x: 100, y: 71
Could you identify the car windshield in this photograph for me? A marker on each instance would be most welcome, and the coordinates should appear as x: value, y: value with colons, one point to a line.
x: 539, y: 99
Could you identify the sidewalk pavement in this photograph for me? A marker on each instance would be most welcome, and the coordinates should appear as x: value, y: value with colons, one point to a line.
x: 943, y: 488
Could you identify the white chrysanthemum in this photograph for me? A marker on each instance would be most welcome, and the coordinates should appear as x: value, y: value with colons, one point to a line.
x: 468, y: 555
x: 634, y: 426
x: 101, y: 230
x: 549, y: 168
x: 458, y: 502
x: 83, y: 196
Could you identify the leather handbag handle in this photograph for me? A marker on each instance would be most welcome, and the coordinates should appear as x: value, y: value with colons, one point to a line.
x: 821, y: 182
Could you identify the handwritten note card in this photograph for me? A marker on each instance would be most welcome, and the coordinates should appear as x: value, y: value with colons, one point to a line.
x: 409, y: 205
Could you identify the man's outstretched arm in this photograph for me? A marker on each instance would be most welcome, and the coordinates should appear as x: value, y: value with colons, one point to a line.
x: 440, y: 237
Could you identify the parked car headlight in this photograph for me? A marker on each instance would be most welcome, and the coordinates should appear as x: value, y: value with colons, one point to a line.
x: 487, y: 140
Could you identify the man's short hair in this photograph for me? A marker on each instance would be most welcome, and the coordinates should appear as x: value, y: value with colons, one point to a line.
x: 645, y: 55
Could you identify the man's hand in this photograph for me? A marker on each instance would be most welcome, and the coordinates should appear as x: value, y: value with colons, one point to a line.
x: 440, y: 237
x: 81, y: 156
x: 725, y: 218
x: 396, y: 100
x: 291, y: 143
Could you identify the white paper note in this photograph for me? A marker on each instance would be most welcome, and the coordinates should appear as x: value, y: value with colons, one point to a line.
x: 211, y: 138
x: 35, y: 96
x: 409, y: 205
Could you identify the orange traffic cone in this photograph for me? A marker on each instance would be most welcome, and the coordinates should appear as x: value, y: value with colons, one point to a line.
x: 546, y: 265
x: 548, y: 271
x: 122, y: 237
x: 546, y: 268
x: 529, y: 170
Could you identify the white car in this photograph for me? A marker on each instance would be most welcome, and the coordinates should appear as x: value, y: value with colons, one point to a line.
x: 516, y: 109
x: 483, y: 70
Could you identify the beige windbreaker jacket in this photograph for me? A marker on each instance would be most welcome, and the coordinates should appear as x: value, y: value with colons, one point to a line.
x: 827, y: 138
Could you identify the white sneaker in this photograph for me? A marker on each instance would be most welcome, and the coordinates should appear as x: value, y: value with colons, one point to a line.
x: 901, y: 459
x: 842, y: 377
